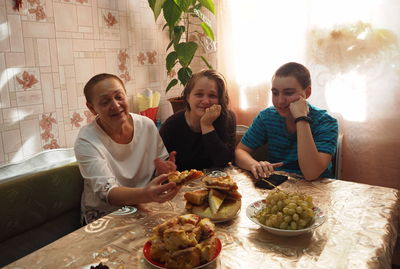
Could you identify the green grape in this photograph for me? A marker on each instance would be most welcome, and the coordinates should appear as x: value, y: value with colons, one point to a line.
x: 295, y: 217
x: 302, y: 222
x: 287, y: 218
x: 285, y: 210
x: 274, y: 209
x: 274, y: 220
x: 280, y: 204
x: 283, y: 225
x: 291, y: 211
x: 299, y: 209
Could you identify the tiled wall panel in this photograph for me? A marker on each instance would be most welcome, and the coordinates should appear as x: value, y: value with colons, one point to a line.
x: 48, y: 51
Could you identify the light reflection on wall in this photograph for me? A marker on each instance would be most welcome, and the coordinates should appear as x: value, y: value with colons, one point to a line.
x: 28, y: 148
x: 3, y: 81
x: 3, y: 31
x: 346, y: 94
x: 244, y: 104
x: 5, y: 76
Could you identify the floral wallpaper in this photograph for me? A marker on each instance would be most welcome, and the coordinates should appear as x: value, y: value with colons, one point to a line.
x: 49, y: 49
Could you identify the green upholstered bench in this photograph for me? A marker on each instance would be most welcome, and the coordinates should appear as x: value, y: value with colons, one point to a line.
x: 37, y: 209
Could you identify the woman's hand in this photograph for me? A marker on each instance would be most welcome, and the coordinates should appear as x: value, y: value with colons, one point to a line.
x: 263, y: 169
x: 211, y: 114
x: 156, y: 191
x: 164, y: 167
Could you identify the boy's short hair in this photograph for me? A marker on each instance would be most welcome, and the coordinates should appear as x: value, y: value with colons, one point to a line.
x: 299, y: 71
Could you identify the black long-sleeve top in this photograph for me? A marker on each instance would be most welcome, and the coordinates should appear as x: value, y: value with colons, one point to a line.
x: 198, y: 151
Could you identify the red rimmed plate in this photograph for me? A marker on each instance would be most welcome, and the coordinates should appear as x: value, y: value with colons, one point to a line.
x: 146, y: 254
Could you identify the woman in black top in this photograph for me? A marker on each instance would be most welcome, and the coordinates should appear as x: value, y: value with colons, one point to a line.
x: 203, y: 134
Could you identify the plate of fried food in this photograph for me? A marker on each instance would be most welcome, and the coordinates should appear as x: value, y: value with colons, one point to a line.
x: 219, y: 201
x: 186, y: 241
x: 286, y: 213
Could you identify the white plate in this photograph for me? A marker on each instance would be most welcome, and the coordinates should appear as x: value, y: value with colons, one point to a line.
x: 253, y: 209
x: 224, y: 219
x: 146, y: 254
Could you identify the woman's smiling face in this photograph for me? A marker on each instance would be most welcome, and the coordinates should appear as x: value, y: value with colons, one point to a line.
x: 109, y: 102
x: 203, y: 95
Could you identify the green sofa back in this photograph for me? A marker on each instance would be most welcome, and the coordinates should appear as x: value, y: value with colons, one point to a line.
x: 37, y: 209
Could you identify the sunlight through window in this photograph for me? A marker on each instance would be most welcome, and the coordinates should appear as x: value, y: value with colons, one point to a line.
x: 261, y: 41
x: 346, y: 94
x: 267, y: 34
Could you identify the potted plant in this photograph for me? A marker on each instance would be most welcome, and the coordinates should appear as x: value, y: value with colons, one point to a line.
x: 183, y: 17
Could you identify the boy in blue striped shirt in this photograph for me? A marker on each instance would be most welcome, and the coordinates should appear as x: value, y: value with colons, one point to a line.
x: 301, y: 138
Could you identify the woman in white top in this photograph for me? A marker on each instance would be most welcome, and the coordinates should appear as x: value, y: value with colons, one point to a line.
x: 119, y: 153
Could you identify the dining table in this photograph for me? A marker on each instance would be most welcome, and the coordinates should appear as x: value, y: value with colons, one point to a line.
x: 359, y: 231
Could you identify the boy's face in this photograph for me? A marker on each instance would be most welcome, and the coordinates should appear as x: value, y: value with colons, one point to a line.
x: 286, y: 90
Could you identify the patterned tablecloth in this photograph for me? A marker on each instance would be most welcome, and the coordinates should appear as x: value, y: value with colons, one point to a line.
x: 360, y: 232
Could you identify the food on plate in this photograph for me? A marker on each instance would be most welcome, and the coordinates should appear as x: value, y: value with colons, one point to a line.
x: 184, y: 242
x: 224, y: 182
x: 219, y: 201
x: 197, y: 197
x: 287, y: 210
x: 184, y: 176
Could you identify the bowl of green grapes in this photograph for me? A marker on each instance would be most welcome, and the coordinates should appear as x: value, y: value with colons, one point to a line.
x: 286, y: 213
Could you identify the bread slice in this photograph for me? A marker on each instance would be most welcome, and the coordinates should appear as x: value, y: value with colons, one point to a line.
x: 222, y: 183
x: 215, y: 200
x: 196, y: 197
x: 208, y: 248
x: 185, y: 258
x: 184, y: 176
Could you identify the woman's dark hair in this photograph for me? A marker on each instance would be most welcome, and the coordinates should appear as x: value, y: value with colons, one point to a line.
x: 223, y: 98
x: 299, y: 71
x: 87, y: 90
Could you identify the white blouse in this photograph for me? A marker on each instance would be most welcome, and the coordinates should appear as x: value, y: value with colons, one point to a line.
x: 105, y: 164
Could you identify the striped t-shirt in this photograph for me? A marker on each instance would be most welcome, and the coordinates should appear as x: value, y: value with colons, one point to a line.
x: 269, y: 128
